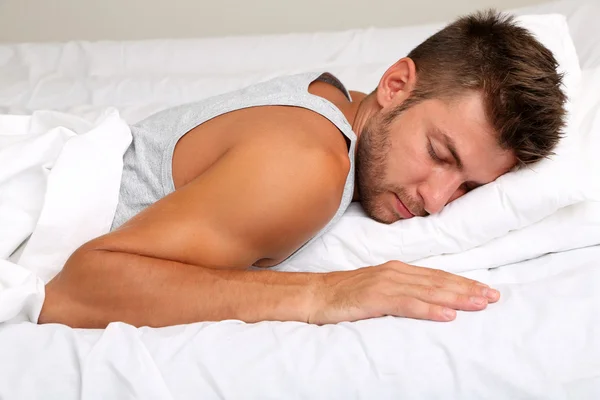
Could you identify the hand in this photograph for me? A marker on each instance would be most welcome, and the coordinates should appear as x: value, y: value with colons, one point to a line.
x: 397, y: 289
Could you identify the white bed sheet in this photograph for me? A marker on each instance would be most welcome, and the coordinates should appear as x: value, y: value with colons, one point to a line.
x: 542, y: 340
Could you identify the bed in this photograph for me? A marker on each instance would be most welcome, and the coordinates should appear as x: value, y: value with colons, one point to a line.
x: 65, y: 110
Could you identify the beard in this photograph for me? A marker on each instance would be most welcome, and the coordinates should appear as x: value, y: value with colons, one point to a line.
x: 372, y: 152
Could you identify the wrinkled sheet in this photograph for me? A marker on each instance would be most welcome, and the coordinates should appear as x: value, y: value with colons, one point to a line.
x: 542, y: 340
x: 59, y: 186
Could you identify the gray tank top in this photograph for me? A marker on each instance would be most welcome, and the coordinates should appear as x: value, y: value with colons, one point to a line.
x: 147, y: 164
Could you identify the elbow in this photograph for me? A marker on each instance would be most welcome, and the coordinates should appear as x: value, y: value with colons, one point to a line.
x: 61, y: 307
x: 71, y: 296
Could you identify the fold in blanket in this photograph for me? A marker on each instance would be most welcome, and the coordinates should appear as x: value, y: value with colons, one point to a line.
x: 81, y: 162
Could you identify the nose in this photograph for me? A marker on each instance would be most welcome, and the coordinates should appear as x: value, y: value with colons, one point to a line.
x: 440, y: 189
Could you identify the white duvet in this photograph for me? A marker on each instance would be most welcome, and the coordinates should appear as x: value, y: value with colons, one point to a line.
x: 542, y: 340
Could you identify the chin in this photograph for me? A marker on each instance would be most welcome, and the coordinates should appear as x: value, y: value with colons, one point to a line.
x: 385, y: 218
x: 378, y: 211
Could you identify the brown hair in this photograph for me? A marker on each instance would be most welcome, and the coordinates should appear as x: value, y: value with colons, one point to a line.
x: 517, y: 76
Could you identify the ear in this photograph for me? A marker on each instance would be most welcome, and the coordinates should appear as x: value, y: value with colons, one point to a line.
x: 397, y: 83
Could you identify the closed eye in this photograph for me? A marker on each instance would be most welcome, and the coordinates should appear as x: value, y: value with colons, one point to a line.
x: 433, y: 154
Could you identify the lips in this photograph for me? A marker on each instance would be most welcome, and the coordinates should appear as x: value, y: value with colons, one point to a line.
x: 402, y: 209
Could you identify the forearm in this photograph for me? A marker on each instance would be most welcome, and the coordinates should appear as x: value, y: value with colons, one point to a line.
x: 98, y: 287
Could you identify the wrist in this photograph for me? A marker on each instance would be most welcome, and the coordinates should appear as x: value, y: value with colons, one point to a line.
x: 316, y: 298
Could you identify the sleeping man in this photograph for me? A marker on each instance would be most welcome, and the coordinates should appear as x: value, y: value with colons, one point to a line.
x: 249, y: 178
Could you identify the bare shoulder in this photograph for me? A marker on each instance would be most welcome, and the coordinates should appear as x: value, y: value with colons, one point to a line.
x: 303, y: 183
x: 299, y: 140
x: 305, y: 156
x: 297, y: 126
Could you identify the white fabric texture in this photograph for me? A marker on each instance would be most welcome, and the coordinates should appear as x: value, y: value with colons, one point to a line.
x: 81, y: 162
x: 341, y: 250
x: 25, y: 161
x: 582, y: 18
x: 539, y: 341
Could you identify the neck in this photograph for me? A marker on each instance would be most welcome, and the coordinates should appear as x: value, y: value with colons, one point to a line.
x: 359, y: 110
x: 358, y: 113
x: 365, y: 109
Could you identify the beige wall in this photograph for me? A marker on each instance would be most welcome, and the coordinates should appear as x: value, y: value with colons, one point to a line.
x: 61, y: 20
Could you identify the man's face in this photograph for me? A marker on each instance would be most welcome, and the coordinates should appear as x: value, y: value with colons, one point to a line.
x: 432, y: 153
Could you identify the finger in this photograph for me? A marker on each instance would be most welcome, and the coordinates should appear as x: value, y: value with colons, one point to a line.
x: 416, y: 270
x: 454, y: 300
x: 491, y: 294
x: 410, y: 307
x: 466, y: 288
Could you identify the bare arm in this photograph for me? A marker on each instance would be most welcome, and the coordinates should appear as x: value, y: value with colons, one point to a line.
x: 185, y: 258
x: 99, y: 287
x: 114, y: 286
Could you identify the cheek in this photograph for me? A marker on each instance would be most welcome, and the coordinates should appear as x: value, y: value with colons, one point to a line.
x: 408, y: 162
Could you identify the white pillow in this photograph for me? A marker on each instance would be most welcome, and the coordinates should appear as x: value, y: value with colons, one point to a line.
x: 513, y: 201
x: 582, y: 18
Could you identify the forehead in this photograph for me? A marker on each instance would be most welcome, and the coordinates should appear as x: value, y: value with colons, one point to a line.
x: 463, y: 121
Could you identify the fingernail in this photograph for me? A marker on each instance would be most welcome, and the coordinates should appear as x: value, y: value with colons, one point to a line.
x: 493, y: 294
x: 477, y: 300
x: 449, y: 313
x: 484, y: 292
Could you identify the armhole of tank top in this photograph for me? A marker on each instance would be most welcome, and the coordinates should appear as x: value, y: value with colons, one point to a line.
x: 329, y: 78
x: 332, y: 80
